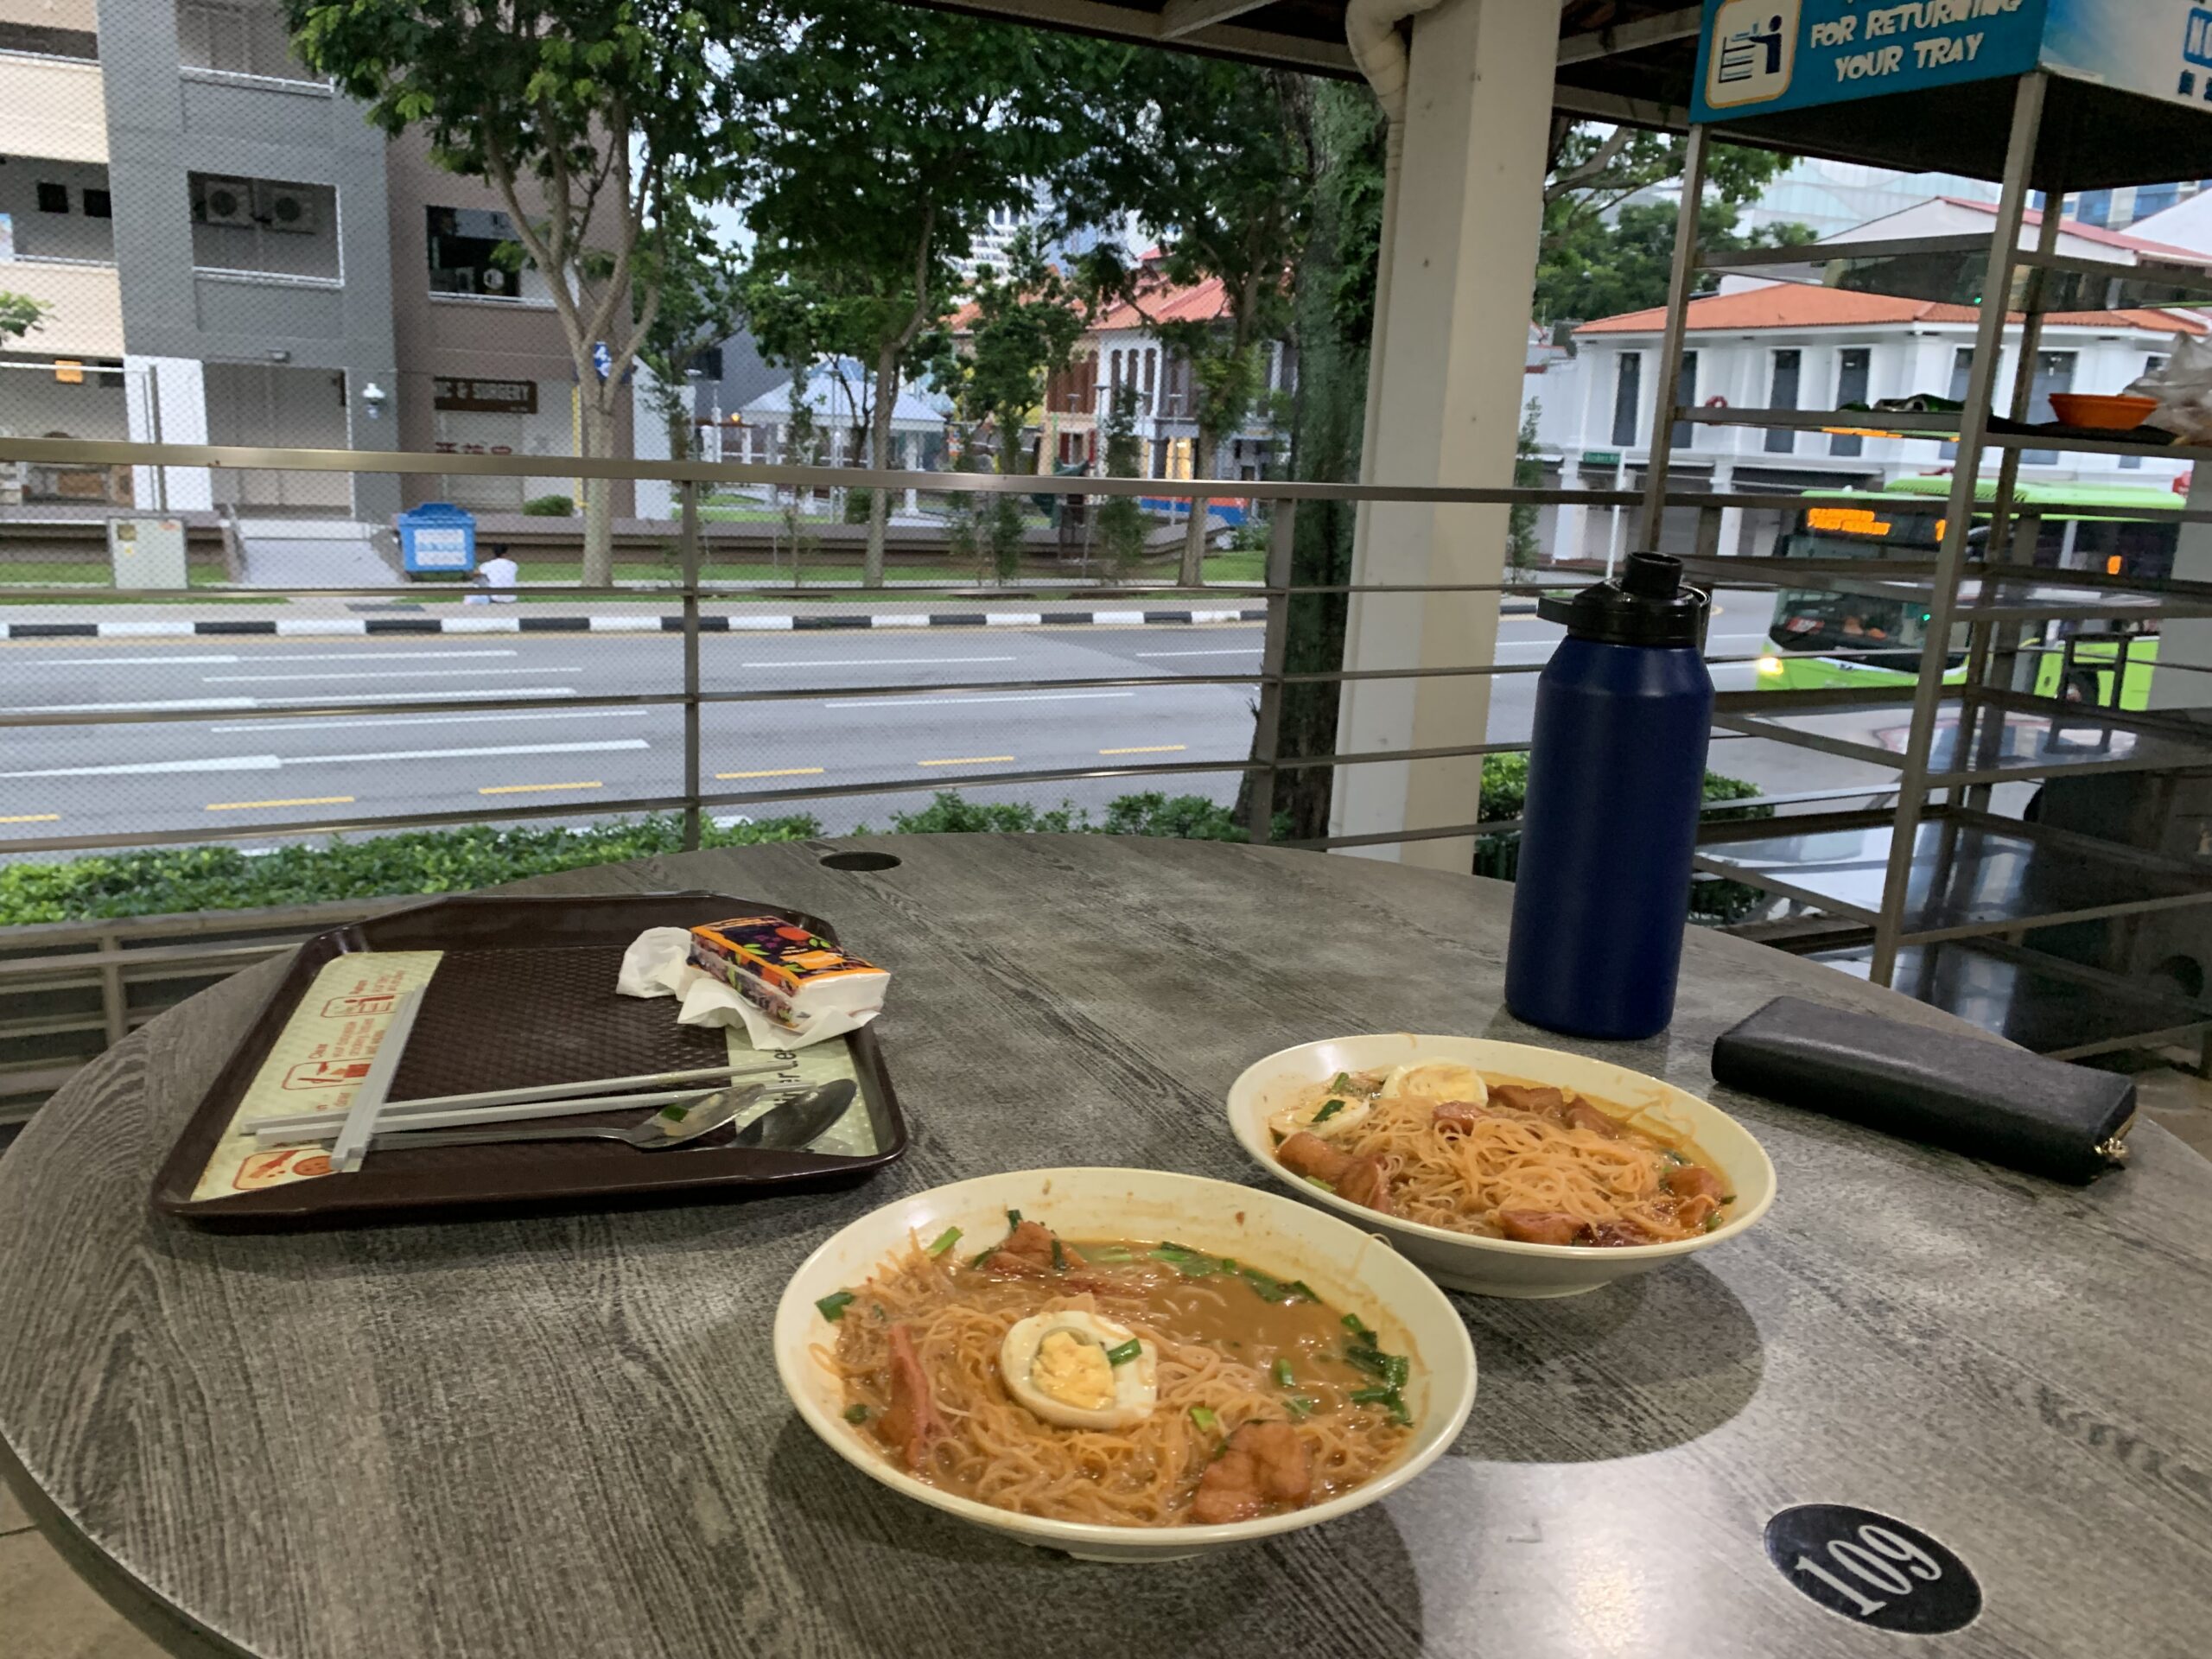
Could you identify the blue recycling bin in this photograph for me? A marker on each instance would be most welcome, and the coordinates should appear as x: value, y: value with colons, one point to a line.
x: 438, y: 539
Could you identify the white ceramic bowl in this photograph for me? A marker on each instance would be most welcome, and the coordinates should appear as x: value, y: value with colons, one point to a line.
x: 1499, y: 1267
x: 1352, y: 1271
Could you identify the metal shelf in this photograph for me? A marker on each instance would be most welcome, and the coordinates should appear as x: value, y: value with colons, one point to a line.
x: 2042, y: 1003
x: 1933, y: 425
x: 1971, y: 875
x: 2042, y: 738
x: 2067, y: 443
x: 2029, y: 597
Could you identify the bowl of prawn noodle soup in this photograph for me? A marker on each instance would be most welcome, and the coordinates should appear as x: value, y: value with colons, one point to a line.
x: 1645, y: 1112
x: 1234, y: 1255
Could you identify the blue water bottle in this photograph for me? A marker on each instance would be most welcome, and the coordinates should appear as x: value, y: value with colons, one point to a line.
x: 1616, y: 776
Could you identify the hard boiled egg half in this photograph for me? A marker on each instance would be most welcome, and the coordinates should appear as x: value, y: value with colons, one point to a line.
x: 1337, y: 1112
x: 1061, y: 1366
x: 1438, y: 1081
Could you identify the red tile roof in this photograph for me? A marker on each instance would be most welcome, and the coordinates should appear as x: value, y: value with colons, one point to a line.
x: 1204, y: 302
x: 1795, y: 305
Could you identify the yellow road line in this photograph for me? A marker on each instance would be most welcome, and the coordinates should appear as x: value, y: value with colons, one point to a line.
x: 297, y: 800
x: 777, y: 772
x: 33, y: 817
x: 967, y: 760
x: 532, y: 789
x: 1156, y: 748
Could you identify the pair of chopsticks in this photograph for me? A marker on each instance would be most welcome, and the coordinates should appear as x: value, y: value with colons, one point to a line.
x: 489, y: 1106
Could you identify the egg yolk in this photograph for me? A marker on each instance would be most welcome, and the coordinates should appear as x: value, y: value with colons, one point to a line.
x: 1073, y: 1371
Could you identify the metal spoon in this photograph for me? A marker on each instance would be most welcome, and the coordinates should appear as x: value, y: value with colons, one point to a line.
x: 799, y: 1121
x: 671, y: 1125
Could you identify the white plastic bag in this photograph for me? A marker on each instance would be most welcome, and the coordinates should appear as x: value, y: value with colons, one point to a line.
x: 2183, y: 389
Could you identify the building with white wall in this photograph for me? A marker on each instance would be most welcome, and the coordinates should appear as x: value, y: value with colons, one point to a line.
x: 1787, y: 346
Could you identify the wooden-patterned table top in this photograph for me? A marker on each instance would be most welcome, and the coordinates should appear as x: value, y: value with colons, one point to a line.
x: 565, y: 1437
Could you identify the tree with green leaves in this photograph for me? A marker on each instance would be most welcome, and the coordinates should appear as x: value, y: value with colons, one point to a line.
x: 1205, y: 156
x: 702, y: 304
x: 1022, y: 324
x: 595, y: 120
x: 20, y: 314
x: 1520, y: 549
x: 877, y: 141
x: 1122, y: 519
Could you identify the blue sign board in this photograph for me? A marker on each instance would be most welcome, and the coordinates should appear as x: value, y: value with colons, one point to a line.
x: 1760, y: 57
x: 601, y: 358
x: 437, y: 536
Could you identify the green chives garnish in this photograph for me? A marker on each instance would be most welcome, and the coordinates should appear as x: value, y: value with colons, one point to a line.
x: 1282, y: 1373
x: 1327, y: 1112
x: 1300, y: 1407
x: 1204, y: 1419
x: 1012, y: 1219
x: 856, y: 1414
x: 833, y: 1307
x: 945, y: 1241
x: 1125, y: 1353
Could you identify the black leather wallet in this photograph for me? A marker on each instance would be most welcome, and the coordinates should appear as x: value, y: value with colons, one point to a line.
x: 1985, y: 1099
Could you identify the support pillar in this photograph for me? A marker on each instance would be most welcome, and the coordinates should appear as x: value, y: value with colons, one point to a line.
x: 166, y: 402
x: 1444, y: 388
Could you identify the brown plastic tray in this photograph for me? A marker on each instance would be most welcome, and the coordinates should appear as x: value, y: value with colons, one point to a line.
x: 525, y: 994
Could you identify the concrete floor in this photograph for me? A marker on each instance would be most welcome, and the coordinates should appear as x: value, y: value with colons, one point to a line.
x: 48, y: 1612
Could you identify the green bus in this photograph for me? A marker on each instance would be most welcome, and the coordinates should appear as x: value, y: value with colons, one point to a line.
x: 2102, y: 663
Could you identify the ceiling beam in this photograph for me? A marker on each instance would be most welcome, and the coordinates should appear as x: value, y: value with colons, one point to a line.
x: 1181, y: 17
x: 1592, y: 105
x: 1683, y: 25
x: 1321, y: 57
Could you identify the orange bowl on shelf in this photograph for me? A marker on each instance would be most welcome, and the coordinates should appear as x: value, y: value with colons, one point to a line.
x: 2118, y: 413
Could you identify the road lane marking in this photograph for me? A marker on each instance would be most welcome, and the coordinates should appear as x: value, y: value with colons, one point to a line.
x: 232, y: 705
x: 347, y: 657
x: 396, y: 674
x: 1151, y: 748
x: 504, y: 716
x: 953, y: 702
x: 874, y: 662
x: 1236, y: 651
x: 33, y: 817
x: 295, y: 800
x: 775, y: 771
x: 531, y: 789
x: 272, y: 763
x: 967, y: 761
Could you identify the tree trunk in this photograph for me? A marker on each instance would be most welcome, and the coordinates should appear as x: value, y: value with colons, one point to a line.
x: 599, y: 497
x: 1194, y: 534
x: 878, y: 443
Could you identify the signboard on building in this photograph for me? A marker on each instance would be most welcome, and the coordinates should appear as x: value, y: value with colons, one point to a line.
x: 7, y: 238
x: 1758, y: 57
x: 485, y: 396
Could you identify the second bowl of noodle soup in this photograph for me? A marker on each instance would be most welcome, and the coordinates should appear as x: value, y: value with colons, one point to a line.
x: 1502, y: 1168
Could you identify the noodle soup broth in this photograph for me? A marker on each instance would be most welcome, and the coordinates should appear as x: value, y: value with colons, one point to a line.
x: 1113, y: 1381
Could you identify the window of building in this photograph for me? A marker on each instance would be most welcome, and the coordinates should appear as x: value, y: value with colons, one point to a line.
x: 2054, y: 372
x: 1686, y: 433
x: 269, y: 227
x: 1854, y: 373
x: 472, y: 251
x: 98, y: 203
x: 241, y: 37
x: 1628, y: 399
x: 2155, y: 199
x: 79, y: 43
x: 1961, y: 383
x: 1788, y: 366
x: 53, y: 198
x: 1151, y: 362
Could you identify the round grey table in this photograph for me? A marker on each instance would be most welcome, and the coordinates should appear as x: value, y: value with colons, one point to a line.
x: 557, y: 1437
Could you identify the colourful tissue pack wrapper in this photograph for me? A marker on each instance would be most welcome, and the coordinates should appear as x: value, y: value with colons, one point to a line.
x: 791, y: 975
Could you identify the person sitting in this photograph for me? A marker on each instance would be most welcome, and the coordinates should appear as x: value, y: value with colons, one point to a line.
x: 497, y: 572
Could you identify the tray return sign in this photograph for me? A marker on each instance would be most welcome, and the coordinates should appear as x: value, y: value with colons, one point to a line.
x: 1873, y: 1570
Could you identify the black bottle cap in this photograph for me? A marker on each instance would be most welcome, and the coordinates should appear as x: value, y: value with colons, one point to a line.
x: 1647, y: 606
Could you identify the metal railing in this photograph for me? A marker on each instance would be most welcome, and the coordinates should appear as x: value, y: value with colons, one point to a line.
x: 115, y: 956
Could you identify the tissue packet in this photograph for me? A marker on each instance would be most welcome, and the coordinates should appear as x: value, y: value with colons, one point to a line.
x: 793, y: 976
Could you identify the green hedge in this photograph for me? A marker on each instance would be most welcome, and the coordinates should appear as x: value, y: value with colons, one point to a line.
x: 459, y: 860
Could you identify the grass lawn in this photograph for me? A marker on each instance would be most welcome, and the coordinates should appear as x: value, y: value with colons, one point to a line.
x: 91, y: 576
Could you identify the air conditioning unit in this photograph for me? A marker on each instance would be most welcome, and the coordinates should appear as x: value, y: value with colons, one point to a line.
x: 283, y: 208
x: 226, y: 201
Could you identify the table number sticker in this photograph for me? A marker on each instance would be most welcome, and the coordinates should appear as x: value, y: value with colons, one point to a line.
x: 1873, y: 1570
x: 321, y: 1057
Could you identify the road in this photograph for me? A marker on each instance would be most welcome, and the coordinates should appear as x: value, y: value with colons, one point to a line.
x: 224, y: 771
